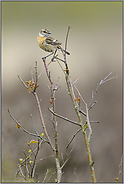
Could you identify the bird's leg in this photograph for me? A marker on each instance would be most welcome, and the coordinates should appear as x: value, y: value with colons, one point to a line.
x: 47, y: 56
x: 54, y: 55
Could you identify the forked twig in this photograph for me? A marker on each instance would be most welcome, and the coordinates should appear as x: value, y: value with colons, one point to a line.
x: 100, y: 83
x: 23, y: 129
x: 86, y: 114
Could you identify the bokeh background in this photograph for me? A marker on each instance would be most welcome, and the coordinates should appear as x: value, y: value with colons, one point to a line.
x: 95, y: 44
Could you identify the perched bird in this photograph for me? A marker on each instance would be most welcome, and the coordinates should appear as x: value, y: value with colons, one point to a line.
x: 49, y: 44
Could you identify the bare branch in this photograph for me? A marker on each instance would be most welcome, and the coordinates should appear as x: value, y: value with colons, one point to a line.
x: 76, y: 80
x: 42, y: 121
x: 51, y: 176
x: 100, y: 83
x: 73, y: 138
x: 66, y: 119
x: 89, y: 126
x: 65, y: 162
x: 71, y: 151
x: 47, y: 172
x: 82, y: 112
x: 80, y: 95
x: 47, y: 72
x: 33, y: 167
x: 21, y: 171
x: 66, y: 43
x: 45, y: 158
x: 22, y: 82
x: 24, y: 130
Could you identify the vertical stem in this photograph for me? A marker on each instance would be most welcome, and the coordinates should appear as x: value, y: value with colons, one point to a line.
x: 91, y: 163
x: 42, y: 120
x: 89, y: 156
x: 70, y: 93
x: 59, y: 171
x: 58, y: 168
x: 83, y: 130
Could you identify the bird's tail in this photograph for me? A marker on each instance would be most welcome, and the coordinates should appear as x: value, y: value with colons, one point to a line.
x: 60, y: 48
x: 66, y: 52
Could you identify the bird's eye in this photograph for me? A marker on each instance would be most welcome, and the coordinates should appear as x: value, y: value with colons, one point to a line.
x: 45, y: 31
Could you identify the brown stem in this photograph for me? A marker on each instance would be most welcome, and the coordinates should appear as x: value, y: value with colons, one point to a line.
x: 42, y: 121
x: 80, y: 119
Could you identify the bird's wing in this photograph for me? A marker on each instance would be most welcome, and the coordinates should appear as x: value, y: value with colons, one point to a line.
x: 52, y: 41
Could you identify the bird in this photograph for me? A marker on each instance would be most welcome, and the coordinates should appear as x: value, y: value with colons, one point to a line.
x: 49, y: 44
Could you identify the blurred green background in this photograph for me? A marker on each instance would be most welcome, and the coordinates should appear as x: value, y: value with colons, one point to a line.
x: 95, y: 44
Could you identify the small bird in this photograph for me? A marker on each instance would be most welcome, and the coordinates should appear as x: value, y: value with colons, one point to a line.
x: 48, y: 43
